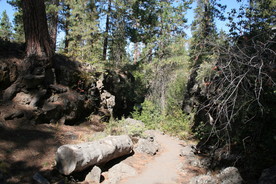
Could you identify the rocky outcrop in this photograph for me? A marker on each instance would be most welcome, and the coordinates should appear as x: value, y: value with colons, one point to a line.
x: 229, y: 175
x: 70, y: 158
x: 121, y: 85
x: 62, y: 91
x: 8, y: 74
x: 268, y: 176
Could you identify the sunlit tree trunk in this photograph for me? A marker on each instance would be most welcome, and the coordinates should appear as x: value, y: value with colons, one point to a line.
x: 38, y: 42
x: 106, y: 31
x: 53, y: 23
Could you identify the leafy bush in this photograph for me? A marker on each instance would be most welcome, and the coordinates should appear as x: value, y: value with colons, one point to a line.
x: 176, y: 123
x: 150, y: 115
x: 120, y: 127
x: 176, y: 89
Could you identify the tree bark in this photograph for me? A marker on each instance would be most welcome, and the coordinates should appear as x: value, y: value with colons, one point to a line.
x: 106, y: 31
x: 38, y: 42
x: 53, y: 24
x: 66, y: 27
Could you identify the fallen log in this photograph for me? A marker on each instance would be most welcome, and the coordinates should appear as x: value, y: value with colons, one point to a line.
x: 70, y: 158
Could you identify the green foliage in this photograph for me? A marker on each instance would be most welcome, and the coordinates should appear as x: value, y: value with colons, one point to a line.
x: 150, y: 115
x: 83, y: 31
x: 120, y: 127
x: 18, y: 35
x: 254, y: 17
x: 206, y: 72
x: 175, y: 90
x: 5, y: 27
x: 176, y: 123
x: 202, y: 131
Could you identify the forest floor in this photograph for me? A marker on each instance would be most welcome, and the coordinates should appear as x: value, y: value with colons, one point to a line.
x: 27, y: 149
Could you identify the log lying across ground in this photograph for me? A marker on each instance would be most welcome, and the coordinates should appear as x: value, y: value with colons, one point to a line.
x: 70, y: 158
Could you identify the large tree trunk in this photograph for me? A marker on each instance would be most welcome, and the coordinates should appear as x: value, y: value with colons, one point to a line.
x: 70, y: 158
x: 36, y: 30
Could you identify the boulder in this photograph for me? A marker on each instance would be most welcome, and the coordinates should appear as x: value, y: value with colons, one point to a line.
x: 120, y: 171
x: 94, y: 176
x: 107, y: 100
x: 230, y: 175
x: 187, y: 151
x: 146, y: 146
x: 22, y: 98
x: 268, y: 176
x: 134, y: 128
x: 204, y: 179
x: 40, y: 179
x: 70, y: 158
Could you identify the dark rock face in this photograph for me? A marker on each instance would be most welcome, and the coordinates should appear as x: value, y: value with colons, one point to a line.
x: 8, y: 74
x: 120, y: 84
x: 62, y: 91
x: 268, y: 176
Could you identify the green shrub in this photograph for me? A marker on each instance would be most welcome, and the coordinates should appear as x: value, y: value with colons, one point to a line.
x: 176, y: 89
x: 151, y: 115
x: 120, y: 127
x: 177, y: 124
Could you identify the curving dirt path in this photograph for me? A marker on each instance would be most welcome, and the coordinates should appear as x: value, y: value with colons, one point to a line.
x: 164, y: 168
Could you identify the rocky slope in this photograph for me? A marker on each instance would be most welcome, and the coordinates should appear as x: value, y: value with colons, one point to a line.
x: 64, y: 92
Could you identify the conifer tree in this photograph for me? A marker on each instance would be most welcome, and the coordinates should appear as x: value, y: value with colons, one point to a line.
x: 5, y: 27
x: 52, y: 9
x: 201, y: 49
x: 84, y: 31
x: 117, y: 39
x: 18, y: 34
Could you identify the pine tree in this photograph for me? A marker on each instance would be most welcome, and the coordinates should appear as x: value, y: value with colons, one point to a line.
x: 204, y: 32
x: 18, y: 34
x: 118, y: 39
x: 52, y: 9
x: 5, y: 27
x: 64, y: 22
x: 83, y: 31
x: 170, y: 25
x: 201, y: 50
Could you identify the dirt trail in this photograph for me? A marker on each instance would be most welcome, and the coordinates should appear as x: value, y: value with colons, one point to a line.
x: 164, y: 168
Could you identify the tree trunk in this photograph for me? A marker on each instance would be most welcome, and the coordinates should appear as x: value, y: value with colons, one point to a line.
x: 66, y: 27
x: 53, y: 24
x: 70, y: 158
x: 38, y: 42
x: 106, y: 31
